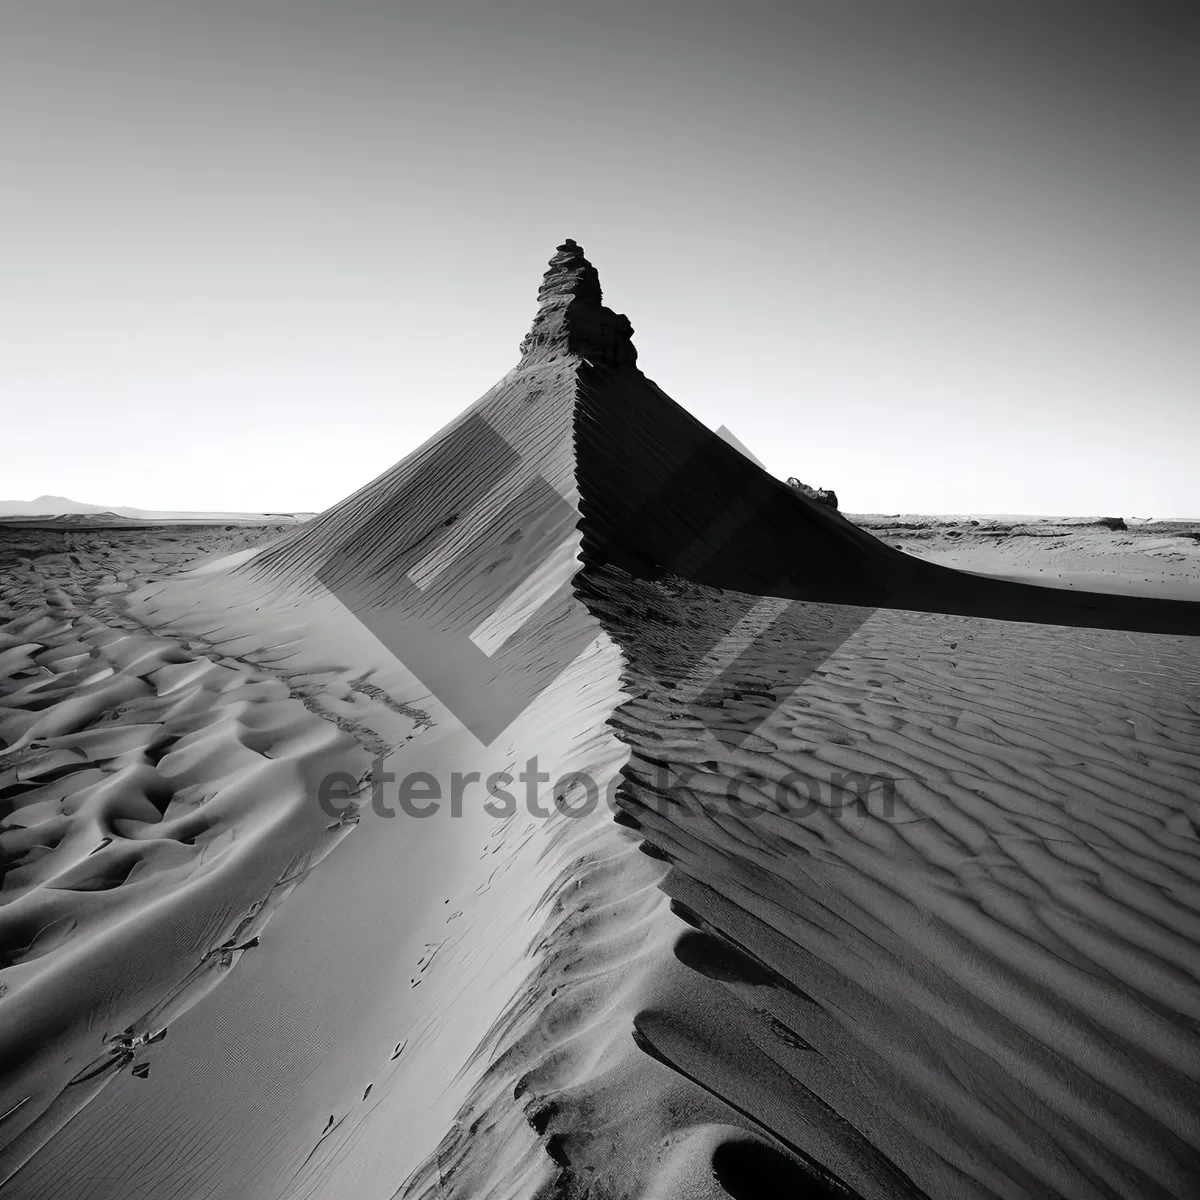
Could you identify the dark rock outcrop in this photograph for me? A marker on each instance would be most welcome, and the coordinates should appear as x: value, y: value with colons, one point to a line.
x: 571, y: 317
x: 821, y: 495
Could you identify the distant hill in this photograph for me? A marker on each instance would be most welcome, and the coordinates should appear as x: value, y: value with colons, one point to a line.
x: 59, y: 506
x: 54, y: 506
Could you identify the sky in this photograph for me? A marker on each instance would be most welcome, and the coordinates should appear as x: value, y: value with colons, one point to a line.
x: 938, y: 256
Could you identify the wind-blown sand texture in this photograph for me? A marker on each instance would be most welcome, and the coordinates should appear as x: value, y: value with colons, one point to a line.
x: 982, y: 983
x: 156, y: 805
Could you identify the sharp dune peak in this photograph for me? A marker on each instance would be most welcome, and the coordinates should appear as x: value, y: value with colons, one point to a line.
x: 658, y: 492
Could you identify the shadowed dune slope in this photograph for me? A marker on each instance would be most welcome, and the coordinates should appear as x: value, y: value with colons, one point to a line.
x: 663, y: 493
x: 659, y: 491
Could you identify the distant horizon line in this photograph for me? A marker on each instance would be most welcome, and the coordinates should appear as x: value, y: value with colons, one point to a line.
x: 88, y: 508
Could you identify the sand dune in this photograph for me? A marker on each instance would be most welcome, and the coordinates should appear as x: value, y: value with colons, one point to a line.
x: 890, y: 886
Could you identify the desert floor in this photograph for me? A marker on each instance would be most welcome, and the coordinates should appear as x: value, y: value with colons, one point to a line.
x: 1146, y: 557
x: 741, y: 977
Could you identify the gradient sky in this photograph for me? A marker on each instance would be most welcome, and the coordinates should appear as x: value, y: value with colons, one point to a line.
x: 941, y: 257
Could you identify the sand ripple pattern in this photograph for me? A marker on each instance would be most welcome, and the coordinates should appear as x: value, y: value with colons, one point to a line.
x: 995, y: 977
x: 156, y: 809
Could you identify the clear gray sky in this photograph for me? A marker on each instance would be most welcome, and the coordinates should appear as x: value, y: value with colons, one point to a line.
x: 941, y: 257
